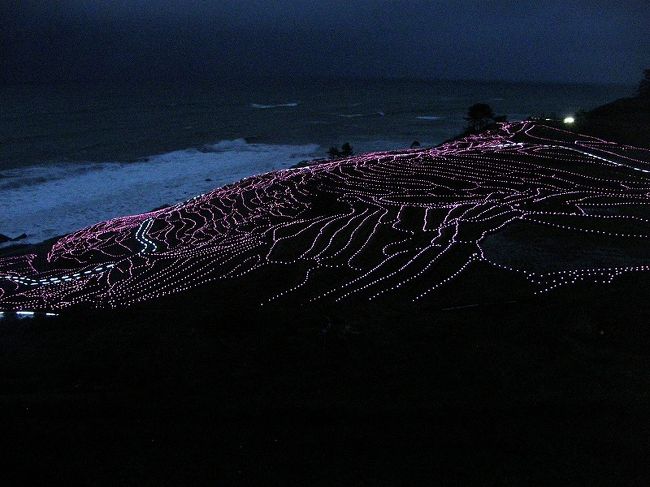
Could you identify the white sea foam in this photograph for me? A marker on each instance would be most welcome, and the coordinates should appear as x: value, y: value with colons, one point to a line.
x: 51, y: 200
x: 259, y: 105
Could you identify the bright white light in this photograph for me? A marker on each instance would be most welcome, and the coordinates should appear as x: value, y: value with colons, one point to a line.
x: 569, y: 120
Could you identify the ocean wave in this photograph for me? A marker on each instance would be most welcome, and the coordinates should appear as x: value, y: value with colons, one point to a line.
x: 50, y: 200
x: 228, y: 145
x: 429, y: 117
x: 34, y: 175
x: 290, y: 104
x: 356, y: 115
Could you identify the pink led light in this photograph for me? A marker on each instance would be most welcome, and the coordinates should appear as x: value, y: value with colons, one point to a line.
x: 404, y: 222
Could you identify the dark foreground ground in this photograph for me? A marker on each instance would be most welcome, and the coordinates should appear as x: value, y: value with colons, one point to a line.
x: 550, y: 390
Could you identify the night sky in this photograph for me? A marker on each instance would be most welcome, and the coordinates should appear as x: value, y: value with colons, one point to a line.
x: 551, y: 40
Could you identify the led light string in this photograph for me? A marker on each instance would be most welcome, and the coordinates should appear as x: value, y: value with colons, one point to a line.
x: 386, y: 223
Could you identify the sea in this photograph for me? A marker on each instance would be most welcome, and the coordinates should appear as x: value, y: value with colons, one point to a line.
x: 75, y: 154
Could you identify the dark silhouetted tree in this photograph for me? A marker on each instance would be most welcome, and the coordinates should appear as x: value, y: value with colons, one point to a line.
x: 479, y: 117
x: 644, y: 86
x: 334, y: 152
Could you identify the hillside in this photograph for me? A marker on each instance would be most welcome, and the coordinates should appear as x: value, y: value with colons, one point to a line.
x: 470, y: 314
x: 626, y: 120
x: 547, y: 206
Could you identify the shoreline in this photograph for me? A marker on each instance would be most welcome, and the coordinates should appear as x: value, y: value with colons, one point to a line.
x: 12, y: 249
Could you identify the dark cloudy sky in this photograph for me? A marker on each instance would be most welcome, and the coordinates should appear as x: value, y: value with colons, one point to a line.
x: 543, y: 40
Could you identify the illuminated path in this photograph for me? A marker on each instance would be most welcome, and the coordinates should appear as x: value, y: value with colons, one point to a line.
x: 383, y: 224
